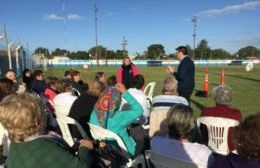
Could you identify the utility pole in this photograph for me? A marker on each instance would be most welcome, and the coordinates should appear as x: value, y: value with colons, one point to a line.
x: 194, y: 21
x: 124, y: 44
x: 106, y: 56
x: 96, y: 54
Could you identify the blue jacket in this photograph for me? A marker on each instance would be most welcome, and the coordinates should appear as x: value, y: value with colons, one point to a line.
x: 121, y: 119
x: 185, y: 75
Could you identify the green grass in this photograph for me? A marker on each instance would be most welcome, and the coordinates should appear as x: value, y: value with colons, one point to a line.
x: 246, y: 86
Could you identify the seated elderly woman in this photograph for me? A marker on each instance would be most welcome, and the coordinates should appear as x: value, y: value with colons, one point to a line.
x: 180, y: 121
x: 247, y: 142
x: 223, y: 97
x: 24, y: 119
x: 107, y: 115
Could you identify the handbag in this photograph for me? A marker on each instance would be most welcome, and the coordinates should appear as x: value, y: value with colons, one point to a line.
x: 109, y: 155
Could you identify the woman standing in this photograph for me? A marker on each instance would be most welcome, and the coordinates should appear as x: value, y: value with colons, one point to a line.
x: 127, y: 72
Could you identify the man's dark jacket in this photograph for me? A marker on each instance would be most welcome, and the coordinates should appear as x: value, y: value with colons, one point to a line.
x: 185, y: 76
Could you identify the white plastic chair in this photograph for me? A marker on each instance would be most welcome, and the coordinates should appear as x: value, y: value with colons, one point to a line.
x: 4, y: 140
x: 158, y: 126
x: 100, y: 133
x: 76, y: 91
x: 161, y: 161
x: 217, y: 128
x: 149, y: 90
x: 64, y: 122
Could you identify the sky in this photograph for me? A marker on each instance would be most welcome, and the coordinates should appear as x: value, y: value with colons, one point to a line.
x: 69, y: 24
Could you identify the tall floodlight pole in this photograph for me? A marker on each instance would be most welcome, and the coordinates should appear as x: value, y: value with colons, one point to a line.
x: 194, y: 21
x: 9, y: 52
x: 6, y: 42
x: 124, y: 44
x: 17, y: 54
x: 96, y: 54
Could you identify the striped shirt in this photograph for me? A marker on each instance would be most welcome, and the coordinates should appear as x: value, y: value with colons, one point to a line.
x: 167, y: 101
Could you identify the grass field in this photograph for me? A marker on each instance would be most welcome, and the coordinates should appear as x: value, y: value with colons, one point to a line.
x: 246, y: 85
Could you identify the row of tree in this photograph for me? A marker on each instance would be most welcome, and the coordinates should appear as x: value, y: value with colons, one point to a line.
x: 91, y: 53
x: 154, y: 51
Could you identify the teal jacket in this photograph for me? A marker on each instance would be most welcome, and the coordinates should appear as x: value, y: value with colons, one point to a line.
x: 121, y: 119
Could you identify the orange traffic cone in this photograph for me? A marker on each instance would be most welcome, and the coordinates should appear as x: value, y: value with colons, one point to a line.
x: 206, y: 82
x: 222, y: 76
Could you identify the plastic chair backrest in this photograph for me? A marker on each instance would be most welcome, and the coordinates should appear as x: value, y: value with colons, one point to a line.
x: 217, y: 128
x: 149, y: 89
x: 161, y: 161
x: 158, y: 124
x: 100, y: 133
x: 64, y: 122
x: 5, y: 141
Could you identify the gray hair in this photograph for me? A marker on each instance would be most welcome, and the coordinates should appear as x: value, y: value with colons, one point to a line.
x: 170, y: 85
x: 223, y: 94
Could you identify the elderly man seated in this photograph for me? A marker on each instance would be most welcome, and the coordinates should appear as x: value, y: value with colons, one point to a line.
x: 161, y: 104
x: 223, y: 97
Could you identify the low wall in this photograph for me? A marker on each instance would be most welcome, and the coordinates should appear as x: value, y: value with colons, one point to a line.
x: 116, y: 63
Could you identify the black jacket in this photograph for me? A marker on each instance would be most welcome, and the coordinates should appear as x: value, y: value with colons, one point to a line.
x: 81, y: 110
x: 185, y: 76
x: 39, y: 86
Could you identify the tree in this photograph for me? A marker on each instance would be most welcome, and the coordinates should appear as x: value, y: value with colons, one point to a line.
x: 190, y: 51
x: 248, y: 51
x: 120, y: 54
x: 155, y: 51
x: 44, y: 51
x: 172, y: 56
x: 59, y: 52
x: 220, y: 54
x: 111, y: 54
x: 101, y: 52
x: 202, y: 50
x: 79, y: 55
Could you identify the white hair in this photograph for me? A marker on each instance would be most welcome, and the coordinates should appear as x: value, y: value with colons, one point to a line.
x: 223, y: 94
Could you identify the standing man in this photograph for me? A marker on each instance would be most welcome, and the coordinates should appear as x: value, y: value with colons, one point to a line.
x: 185, y: 74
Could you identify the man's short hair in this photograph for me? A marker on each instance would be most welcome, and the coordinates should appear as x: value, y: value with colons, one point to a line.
x: 10, y: 70
x: 37, y: 73
x: 8, y: 73
x: 67, y: 73
x: 170, y: 85
x: 138, y: 81
x: 182, y: 49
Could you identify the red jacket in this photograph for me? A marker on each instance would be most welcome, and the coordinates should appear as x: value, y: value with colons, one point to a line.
x: 49, y: 94
x: 220, y: 111
x: 120, y: 73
